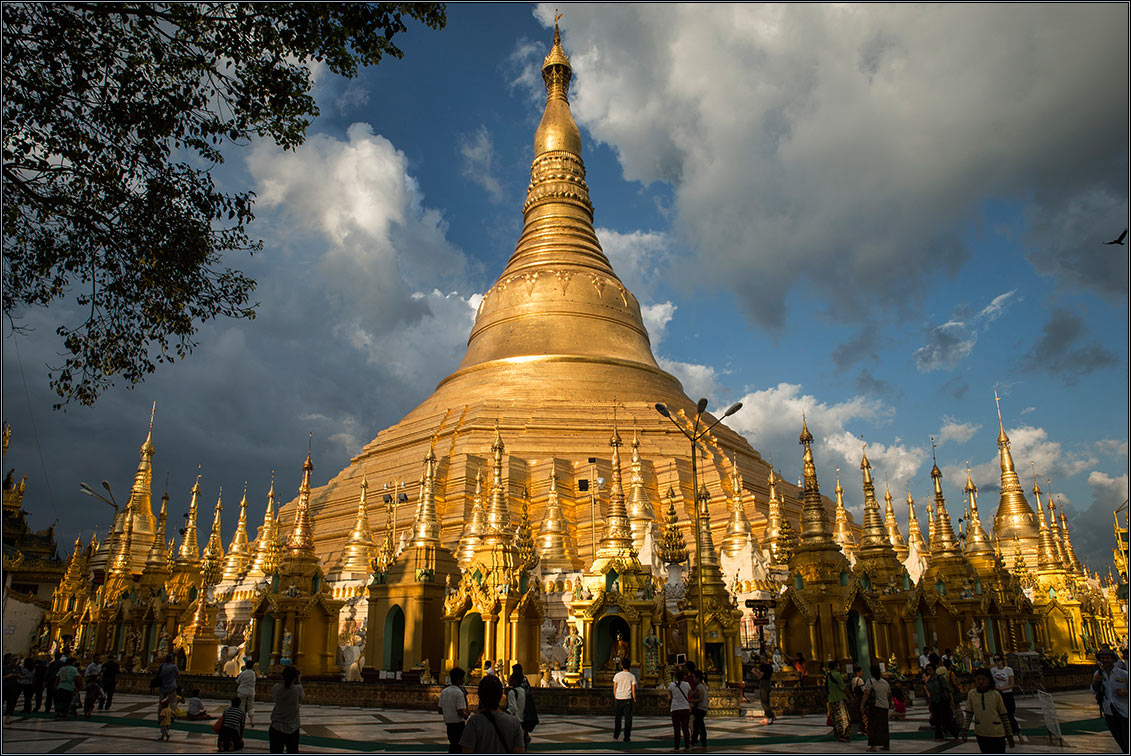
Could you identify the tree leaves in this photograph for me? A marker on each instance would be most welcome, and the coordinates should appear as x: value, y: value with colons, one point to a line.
x: 109, y: 111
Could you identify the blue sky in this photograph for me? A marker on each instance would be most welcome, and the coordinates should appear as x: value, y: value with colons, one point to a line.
x: 873, y: 214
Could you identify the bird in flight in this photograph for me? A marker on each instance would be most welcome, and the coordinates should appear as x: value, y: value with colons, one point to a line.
x: 1118, y: 241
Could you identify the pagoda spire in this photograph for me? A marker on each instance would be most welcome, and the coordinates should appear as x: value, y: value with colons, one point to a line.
x: 360, y: 550
x: 640, y: 514
x: 875, y: 535
x: 1048, y: 560
x: 1014, y: 522
x: 842, y: 533
x: 302, y: 534
x: 474, y: 527
x: 189, y: 554
x: 238, y: 551
x: 1070, y: 553
x: 74, y: 571
x: 673, y: 548
x: 123, y: 560
x: 498, y: 512
x: 426, y: 528
x: 739, y: 537
x: 554, y: 542
x: 815, y: 532
x: 212, y: 561
x: 977, y: 540
x: 265, y: 539
x: 617, y: 537
x: 524, y: 538
x: 773, y: 516
x: 892, y: 525
x: 157, y: 561
x: 914, y: 534
x: 932, y: 532
x: 943, y: 528
x: 1054, y: 526
x: 141, y: 491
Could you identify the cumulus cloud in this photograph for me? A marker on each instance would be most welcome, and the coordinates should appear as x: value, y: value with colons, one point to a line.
x: 958, y: 432
x: 639, y: 258
x: 478, y: 154
x: 1065, y: 349
x: 819, y: 144
x: 1111, y: 447
x: 697, y: 380
x: 953, y: 341
x: 1092, y: 534
x: 656, y: 319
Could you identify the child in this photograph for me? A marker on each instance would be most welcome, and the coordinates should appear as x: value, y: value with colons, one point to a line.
x: 898, y: 703
x: 165, y: 719
x: 230, y: 737
x: 196, y: 706
x: 178, y: 704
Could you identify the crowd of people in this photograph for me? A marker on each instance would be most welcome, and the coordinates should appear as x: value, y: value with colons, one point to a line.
x: 61, y: 684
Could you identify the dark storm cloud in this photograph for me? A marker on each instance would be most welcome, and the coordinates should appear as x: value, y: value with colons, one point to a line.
x: 1065, y: 349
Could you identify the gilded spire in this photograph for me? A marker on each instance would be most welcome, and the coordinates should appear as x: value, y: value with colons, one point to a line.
x: 894, y: 536
x: 212, y: 561
x: 426, y: 527
x: 523, y: 538
x: 388, y: 553
x: 673, y: 549
x: 498, y: 512
x: 977, y: 540
x: 914, y: 534
x: 140, y: 492
x: 773, y: 517
x: 1054, y: 527
x: 302, y: 534
x: 554, y: 542
x: 616, y: 540
x: 815, y: 533
x: 474, y: 527
x: 943, y: 528
x: 1070, y: 553
x: 640, y: 514
x: 360, y: 550
x: 842, y: 533
x: 1014, y: 522
x: 739, y: 537
x: 189, y: 554
x: 1048, y: 560
x: 74, y: 571
x: 875, y: 535
x: 157, y: 561
x: 932, y: 533
x: 235, y: 564
x: 265, y: 539
x: 123, y: 560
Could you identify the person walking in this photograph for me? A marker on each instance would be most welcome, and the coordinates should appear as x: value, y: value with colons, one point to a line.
x: 764, y: 672
x: 939, y: 703
x: 838, y: 702
x: 245, y: 689
x: 51, y: 678
x: 859, y: 710
x: 1110, y: 685
x: 66, y: 681
x: 27, y: 682
x: 520, y: 701
x: 624, y: 696
x: 93, y: 692
x: 877, y: 697
x: 453, y: 705
x: 924, y: 658
x: 40, y: 682
x: 987, y: 707
x: 110, y: 671
x: 167, y: 681
x: 700, y: 701
x: 1003, y: 682
x: 286, y: 716
x: 679, y: 693
x: 490, y: 730
x: 164, y: 718
x: 12, y: 671
x: 230, y: 736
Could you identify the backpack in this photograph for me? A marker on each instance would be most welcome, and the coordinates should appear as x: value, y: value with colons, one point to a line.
x: 937, y: 691
x: 530, y: 711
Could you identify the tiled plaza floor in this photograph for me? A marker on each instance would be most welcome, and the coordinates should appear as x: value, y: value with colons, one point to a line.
x: 131, y: 728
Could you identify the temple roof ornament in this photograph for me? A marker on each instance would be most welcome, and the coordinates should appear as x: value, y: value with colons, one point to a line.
x: 498, y: 526
x: 360, y: 550
x: 212, y: 560
x: 739, y: 538
x: 933, y: 546
x: 523, y: 538
x: 875, y: 534
x: 1077, y: 565
x: 842, y: 533
x: 774, y: 519
x: 265, y: 539
x: 815, y: 532
x: 616, y: 540
x: 914, y: 534
x: 157, y: 561
x: 977, y: 540
x: 189, y: 555
x: 640, y: 513
x: 426, y: 524
x: 894, y: 536
x: 943, y: 527
x: 474, y: 526
x: 302, y: 534
x: 673, y: 548
x: 1048, y: 560
x: 1014, y: 522
x: 1054, y: 526
x: 235, y: 564
x: 555, y: 545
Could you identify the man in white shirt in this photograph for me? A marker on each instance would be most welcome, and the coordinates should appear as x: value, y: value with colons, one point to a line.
x: 624, y: 695
x: 924, y: 659
x: 1110, y: 683
x: 453, y: 705
x: 245, y: 689
x: 94, y: 669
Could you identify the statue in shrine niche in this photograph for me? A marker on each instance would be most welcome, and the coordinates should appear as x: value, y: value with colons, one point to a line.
x: 651, y: 653
x: 618, y: 652
x: 573, y: 643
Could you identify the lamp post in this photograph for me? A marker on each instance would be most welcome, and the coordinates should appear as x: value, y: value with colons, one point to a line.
x: 694, y: 437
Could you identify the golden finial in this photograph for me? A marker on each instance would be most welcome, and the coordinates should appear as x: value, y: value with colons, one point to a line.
x: 1001, y: 438
x: 212, y: 562
x: 189, y: 554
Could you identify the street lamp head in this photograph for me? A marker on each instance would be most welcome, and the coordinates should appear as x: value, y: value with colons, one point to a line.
x: 663, y: 409
x: 106, y: 484
x: 732, y: 409
x: 701, y: 406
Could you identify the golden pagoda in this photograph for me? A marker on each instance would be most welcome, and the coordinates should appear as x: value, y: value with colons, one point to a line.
x: 239, y: 556
x: 876, y: 559
x: 978, y: 547
x: 554, y: 541
x: 842, y: 532
x: 1015, y: 524
x: 894, y: 536
x: 915, y: 541
x: 263, y: 562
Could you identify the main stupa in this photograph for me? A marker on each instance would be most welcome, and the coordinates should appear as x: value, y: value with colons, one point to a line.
x: 557, y: 357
